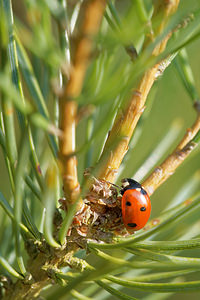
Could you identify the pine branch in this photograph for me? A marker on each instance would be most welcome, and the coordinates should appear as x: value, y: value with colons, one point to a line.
x: 174, y: 160
x: 128, y: 118
x: 91, y: 13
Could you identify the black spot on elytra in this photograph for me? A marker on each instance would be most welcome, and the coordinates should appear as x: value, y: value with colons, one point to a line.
x: 143, y: 192
x: 143, y: 208
x: 128, y: 203
x: 132, y: 225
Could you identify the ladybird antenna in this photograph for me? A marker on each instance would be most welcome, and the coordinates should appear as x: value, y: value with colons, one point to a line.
x: 119, y: 187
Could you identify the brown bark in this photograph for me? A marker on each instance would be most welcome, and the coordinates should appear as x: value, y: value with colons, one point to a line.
x: 91, y: 13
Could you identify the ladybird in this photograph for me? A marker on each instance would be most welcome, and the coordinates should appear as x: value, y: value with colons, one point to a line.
x: 136, y: 205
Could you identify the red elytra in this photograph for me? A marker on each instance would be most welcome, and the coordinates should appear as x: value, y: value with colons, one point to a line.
x: 136, y: 208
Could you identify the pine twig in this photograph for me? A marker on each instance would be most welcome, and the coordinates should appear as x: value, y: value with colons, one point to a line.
x: 191, y: 132
x: 164, y: 9
x: 126, y: 120
x: 173, y: 161
x: 91, y: 13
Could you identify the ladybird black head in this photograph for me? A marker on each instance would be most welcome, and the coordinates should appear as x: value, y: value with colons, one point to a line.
x: 128, y: 203
x: 143, y: 208
x: 131, y: 183
x: 132, y: 225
